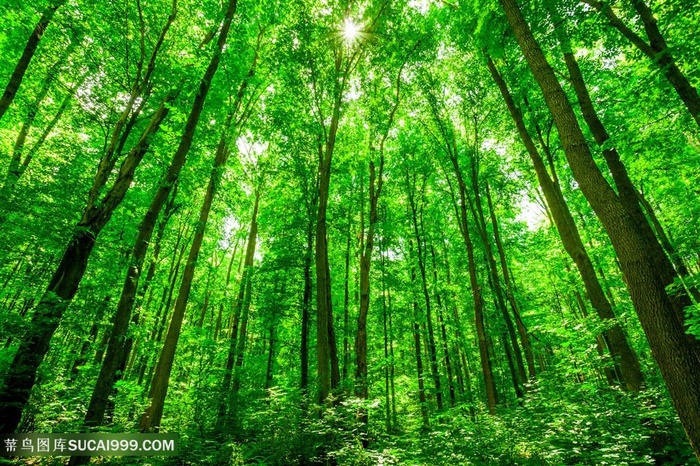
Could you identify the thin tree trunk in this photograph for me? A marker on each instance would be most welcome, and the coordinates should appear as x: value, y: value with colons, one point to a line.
x: 419, y: 358
x: 306, y: 307
x: 484, y: 354
x: 432, y: 352
x: 443, y: 331
x: 522, y: 330
x: 655, y: 49
x: 479, y: 219
x: 239, y: 315
x: 27, y: 55
x: 270, y: 358
x: 633, y: 378
x: 346, y: 301
x: 151, y: 418
x: 677, y: 261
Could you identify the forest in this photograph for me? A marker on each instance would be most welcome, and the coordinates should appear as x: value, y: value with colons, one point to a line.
x: 353, y: 232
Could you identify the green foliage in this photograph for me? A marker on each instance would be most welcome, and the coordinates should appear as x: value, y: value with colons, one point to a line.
x: 414, y: 84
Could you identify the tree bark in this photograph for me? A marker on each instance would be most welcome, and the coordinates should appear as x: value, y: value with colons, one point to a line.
x: 627, y: 192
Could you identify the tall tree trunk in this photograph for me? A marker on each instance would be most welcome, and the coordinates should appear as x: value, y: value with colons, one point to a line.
x: 270, y: 358
x: 165, y: 191
x: 633, y: 378
x: 376, y: 181
x: 346, y: 300
x: 484, y: 353
x: 245, y: 304
x: 240, y: 313
x: 443, y: 330
x: 306, y: 306
x: 510, y: 295
x: 115, y: 353
x: 27, y: 55
x: 417, y: 348
x: 151, y: 418
x: 678, y: 360
x: 628, y: 193
x: 326, y: 365
x: 494, y: 280
x: 432, y: 351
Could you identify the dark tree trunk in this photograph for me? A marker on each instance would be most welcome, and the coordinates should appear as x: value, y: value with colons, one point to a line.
x: 270, y: 358
x: 326, y: 355
x: 494, y: 280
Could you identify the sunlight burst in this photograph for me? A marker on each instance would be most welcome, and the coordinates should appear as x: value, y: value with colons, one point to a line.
x: 351, y: 31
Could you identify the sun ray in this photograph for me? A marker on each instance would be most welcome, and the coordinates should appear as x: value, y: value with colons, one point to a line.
x: 351, y: 31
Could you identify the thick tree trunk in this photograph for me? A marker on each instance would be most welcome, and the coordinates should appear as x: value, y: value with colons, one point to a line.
x: 627, y: 192
x: 678, y: 360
